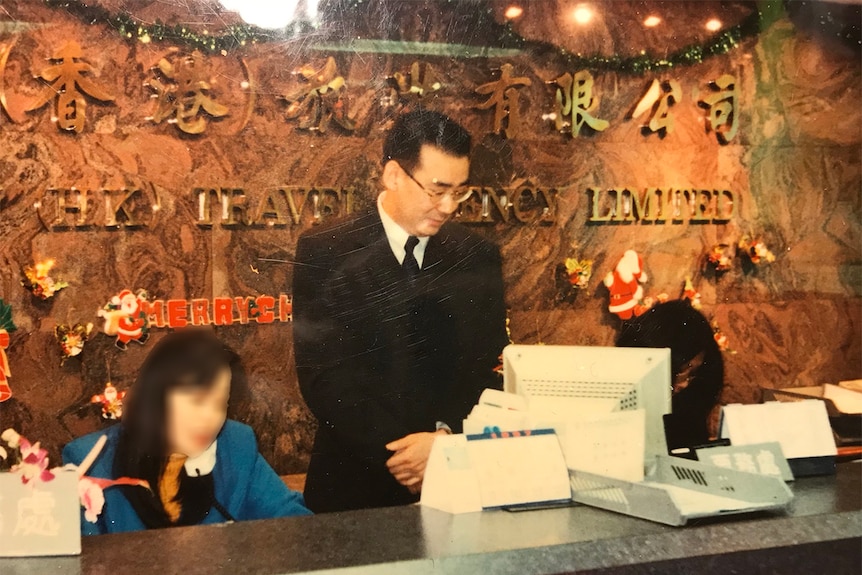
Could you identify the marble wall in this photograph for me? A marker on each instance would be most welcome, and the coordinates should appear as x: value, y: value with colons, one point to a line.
x: 794, y: 169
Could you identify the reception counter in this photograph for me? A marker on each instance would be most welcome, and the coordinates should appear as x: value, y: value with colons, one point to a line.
x: 822, y: 533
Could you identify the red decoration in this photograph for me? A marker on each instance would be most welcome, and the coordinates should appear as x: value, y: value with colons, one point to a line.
x: 126, y: 318
x: 7, y: 326
x: 111, y: 401
x: 624, y: 285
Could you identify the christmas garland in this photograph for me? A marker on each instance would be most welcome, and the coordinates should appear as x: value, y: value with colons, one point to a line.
x: 722, y: 43
x: 232, y: 37
x: 236, y: 36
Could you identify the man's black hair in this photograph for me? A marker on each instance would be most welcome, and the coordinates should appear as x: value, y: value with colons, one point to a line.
x: 417, y: 128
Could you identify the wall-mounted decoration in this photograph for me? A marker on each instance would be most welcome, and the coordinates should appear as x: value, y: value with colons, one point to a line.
x: 39, y: 283
x: 321, y: 100
x: 721, y: 339
x: 125, y: 317
x: 624, y: 284
x: 417, y: 83
x: 575, y: 104
x: 720, y: 258
x: 7, y: 326
x: 66, y: 77
x: 503, y: 97
x: 111, y: 402
x: 722, y: 107
x: 658, y: 99
x: 572, y: 275
x: 755, y: 250
x: 690, y: 293
x: 72, y: 339
x: 182, y: 90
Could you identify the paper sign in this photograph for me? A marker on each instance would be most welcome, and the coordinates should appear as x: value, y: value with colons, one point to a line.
x: 471, y: 473
x: 801, y: 427
x: 610, y: 444
x: 39, y: 519
x: 519, y: 469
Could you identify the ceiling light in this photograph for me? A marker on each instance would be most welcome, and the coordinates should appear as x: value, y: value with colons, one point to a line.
x: 513, y: 12
x: 713, y: 25
x: 583, y: 14
x: 652, y: 21
x: 272, y: 15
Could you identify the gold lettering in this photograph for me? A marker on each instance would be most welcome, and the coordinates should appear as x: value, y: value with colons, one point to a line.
x: 270, y: 212
x: 204, y: 196
x: 595, y: 217
x: 724, y: 212
x: 120, y: 212
x: 234, y: 207
x: 701, y: 201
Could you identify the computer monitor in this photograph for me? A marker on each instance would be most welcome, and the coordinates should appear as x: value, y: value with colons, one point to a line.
x: 564, y: 383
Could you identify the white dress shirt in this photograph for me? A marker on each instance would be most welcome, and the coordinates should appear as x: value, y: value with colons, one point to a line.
x: 397, y: 236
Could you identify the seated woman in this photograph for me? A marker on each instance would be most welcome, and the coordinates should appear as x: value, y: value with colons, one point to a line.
x: 201, y: 467
x: 696, y: 364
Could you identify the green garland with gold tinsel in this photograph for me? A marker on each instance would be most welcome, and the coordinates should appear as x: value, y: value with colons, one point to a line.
x: 232, y: 37
x: 236, y: 36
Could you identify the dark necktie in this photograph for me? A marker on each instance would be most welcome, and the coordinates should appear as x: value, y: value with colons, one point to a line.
x: 410, y: 265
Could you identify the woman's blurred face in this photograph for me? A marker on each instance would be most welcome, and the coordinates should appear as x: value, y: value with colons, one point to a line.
x: 196, y: 415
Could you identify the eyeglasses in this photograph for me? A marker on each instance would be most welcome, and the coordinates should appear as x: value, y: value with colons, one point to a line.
x: 458, y: 195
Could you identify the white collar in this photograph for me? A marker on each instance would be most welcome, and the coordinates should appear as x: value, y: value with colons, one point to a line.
x: 202, y: 464
x: 397, y: 236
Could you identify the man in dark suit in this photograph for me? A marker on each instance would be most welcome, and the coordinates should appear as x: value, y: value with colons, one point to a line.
x: 399, y: 322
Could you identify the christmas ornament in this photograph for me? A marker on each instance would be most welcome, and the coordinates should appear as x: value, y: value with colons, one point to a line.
x: 626, y: 293
x: 126, y: 318
x: 7, y: 326
x: 720, y: 258
x: 572, y: 275
x: 691, y: 294
x: 721, y: 338
x: 39, y: 283
x: 72, y: 338
x: 755, y: 250
x: 111, y: 402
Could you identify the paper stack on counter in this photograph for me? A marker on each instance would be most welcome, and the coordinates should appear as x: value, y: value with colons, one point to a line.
x: 498, y: 411
x: 591, y: 436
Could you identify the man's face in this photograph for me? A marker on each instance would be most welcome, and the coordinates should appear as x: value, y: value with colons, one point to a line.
x: 407, y: 199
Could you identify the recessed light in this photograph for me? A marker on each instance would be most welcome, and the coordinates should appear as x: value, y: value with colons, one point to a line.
x: 713, y: 25
x: 652, y: 21
x: 513, y: 12
x: 583, y: 14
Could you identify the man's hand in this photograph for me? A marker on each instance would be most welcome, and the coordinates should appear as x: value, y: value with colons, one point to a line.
x: 411, y: 455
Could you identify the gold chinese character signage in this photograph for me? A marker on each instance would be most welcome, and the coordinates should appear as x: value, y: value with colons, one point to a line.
x: 68, y: 83
x: 321, y: 100
x: 183, y: 94
x: 576, y: 104
x: 503, y: 97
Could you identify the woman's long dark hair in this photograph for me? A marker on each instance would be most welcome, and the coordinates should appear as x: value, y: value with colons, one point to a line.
x: 683, y: 329
x: 190, y: 358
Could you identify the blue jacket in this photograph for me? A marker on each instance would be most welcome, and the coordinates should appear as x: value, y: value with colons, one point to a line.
x: 244, y: 482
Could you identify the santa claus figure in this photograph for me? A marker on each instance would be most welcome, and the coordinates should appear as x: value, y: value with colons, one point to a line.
x: 125, y: 318
x: 111, y: 401
x: 624, y: 285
